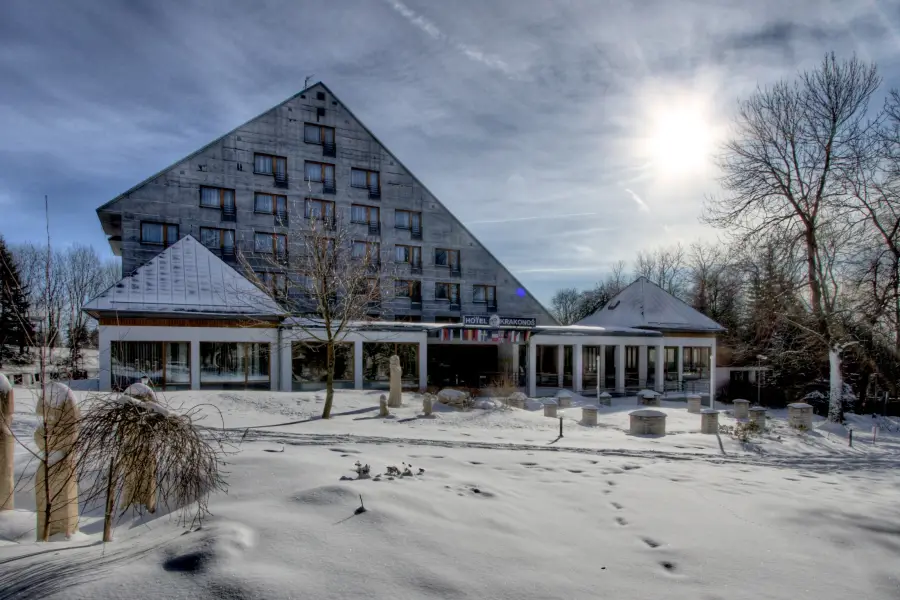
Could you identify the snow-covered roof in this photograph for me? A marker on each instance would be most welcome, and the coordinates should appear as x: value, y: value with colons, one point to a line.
x: 185, y: 278
x: 645, y: 305
x: 581, y: 329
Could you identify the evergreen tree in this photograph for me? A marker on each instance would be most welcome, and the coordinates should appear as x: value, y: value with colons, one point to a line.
x: 15, y: 325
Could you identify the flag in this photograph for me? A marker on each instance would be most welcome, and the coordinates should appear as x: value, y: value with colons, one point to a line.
x: 495, y: 336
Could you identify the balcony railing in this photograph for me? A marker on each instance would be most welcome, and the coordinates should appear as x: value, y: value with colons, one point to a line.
x: 374, y: 265
x: 492, y: 308
x: 374, y: 192
x: 281, y: 219
x: 374, y: 228
x: 328, y: 186
x: 455, y: 306
x: 415, y: 268
x: 329, y: 149
x: 228, y: 254
x: 416, y: 233
x: 229, y: 213
x: 281, y: 180
x: 415, y: 304
x: 455, y: 271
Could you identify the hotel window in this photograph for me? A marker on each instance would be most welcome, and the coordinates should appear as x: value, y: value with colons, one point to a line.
x: 318, y: 134
x: 319, y: 172
x: 270, y: 204
x: 446, y: 258
x: 213, y: 197
x: 484, y: 294
x: 161, y: 234
x: 319, y: 209
x: 217, y: 239
x: 166, y: 364
x: 409, y: 289
x: 270, y: 243
x: 234, y: 364
x: 267, y: 164
x: 447, y: 291
x: 361, y: 178
x: 405, y: 219
x: 409, y: 254
x: 276, y: 283
x: 366, y: 250
x: 367, y: 215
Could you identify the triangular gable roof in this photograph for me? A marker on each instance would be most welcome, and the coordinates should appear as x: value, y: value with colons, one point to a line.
x: 645, y: 305
x: 186, y: 278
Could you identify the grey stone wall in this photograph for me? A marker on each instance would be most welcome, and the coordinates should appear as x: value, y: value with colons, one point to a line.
x: 174, y: 197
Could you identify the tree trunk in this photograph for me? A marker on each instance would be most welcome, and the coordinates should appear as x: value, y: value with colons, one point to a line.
x: 815, y: 288
x: 329, y: 379
x: 110, y: 502
x: 836, y: 386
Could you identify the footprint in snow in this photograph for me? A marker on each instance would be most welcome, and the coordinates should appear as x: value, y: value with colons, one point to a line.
x: 344, y: 450
x: 617, y: 506
x: 668, y: 566
x: 576, y: 471
x: 475, y: 462
x: 528, y: 464
x: 651, y: 543
x: 610, y: 482
x: 621, y: 521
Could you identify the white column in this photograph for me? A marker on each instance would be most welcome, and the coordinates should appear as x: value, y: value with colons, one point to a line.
x: 601, y: 371
x: 712, y: 374
x: 274, y: 366
x: 105, y: 358
x: 358, y: 365
x: 560, y: 364
x: 680, y: 366
x: 532, y: 369
x: 577, y: 368
x: 620, y: 368
x: 642, y: 365
x: 195, y: 363
x: 599, y: 384
x: 659, y: 369
x: 423, y: 365
x: 515, y: 364
x: 286, y: 374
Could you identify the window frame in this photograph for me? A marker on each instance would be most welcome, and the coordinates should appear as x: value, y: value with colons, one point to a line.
x: 411, y: 286
x: 321, y: 129
x: 325, y: 215
x: 410, y: 254
x: 369, y: 209
x: 368, y: 254
x: 221, y: 232
x: 275, y: 198
x: 449, y: 264
x: 322, y: 165
x: 165, y: 243
x: 221, y: 191
x: 274, y: 158
x: 450, y: 287
x: 368, y: 173
x: 486, y: 300
x: 274, y: 240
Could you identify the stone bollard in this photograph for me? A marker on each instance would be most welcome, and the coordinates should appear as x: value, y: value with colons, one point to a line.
x: 383, y: 406
x: 648, y: 398
x: 395, y: 400
x: 550, y: 408
x: 647, y: 422
x: 427, y: 405
x: 758, y: 417
x: 709, y: 421
x: 605, y: 399
x: 589, y: 415
x: 741, y: 409
x: 516, y: 400
x: 800, y: 415
x: 141, y: 482
x: 564, y: 398
x: 694, y: 403
x: 7, y: 445
x: 56, y: 437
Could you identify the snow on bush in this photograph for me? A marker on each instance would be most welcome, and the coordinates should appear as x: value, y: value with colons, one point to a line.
x: 4, y: 384
x: 141, y: 391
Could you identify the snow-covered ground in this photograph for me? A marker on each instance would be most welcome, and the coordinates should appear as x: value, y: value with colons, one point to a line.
x: 503, y: 509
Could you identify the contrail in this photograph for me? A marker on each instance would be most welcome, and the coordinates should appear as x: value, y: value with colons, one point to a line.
x: 641, y: 204
x: 541, y: 217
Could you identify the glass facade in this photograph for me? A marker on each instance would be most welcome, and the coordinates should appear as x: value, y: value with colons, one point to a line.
x: 226, y: 365
x: 310, y: 365
x: 376, y: 363
x: 166, y: 365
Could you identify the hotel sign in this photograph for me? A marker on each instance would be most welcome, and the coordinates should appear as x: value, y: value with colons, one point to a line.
x: 498, y: 321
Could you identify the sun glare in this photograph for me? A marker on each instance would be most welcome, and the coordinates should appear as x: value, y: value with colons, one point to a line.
x: 679, y: 137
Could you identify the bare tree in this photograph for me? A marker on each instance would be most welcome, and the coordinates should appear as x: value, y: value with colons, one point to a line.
x: 564, y: 305
x: 783, y: 170
x: 664, y: 267
x: 328, y: 277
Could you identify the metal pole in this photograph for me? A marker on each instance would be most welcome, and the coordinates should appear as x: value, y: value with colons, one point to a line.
x: 560, y: 427
x: 598, y: 380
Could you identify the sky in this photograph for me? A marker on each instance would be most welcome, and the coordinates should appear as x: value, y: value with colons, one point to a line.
x: 565, y: 134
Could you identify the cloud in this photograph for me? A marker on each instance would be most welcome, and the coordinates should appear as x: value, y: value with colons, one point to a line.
x: 534, y: 218
x: 637, y: 199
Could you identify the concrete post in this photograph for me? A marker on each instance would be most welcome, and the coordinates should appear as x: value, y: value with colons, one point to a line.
x: 589, y: 416
x: 758, y: 417
x: 577, y: 368
x: 620, y: 369
x: 550, y: 408
x: 105, y: 359
x: 647, y: 422
x: 532, y: 369
x: 601, y: 372
x: 195, y: 364
x: 358, y: 365
x: 286, y: 370
x: 709, y: 421
x: 642, y: 366
x: 659, y: 366
x: 423, y: 365
x: 680, y: 367
x: 800, y: 415
x: 712, y: 374
x: 274, y: 366
x: 693, y: 403
x: 560, y: 364
x: 741, y: 409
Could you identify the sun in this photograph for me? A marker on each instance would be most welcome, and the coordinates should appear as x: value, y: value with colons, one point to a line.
x: 679, y: 137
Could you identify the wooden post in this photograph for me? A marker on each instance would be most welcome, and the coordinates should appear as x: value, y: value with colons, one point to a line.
x: 851, y: 438
x: 560, y: 427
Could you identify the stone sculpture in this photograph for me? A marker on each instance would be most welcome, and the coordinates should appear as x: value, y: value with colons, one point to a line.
x: 383, y: 406
x: 395, y: 399
x: 427, y: 405
x: 56, y: 438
